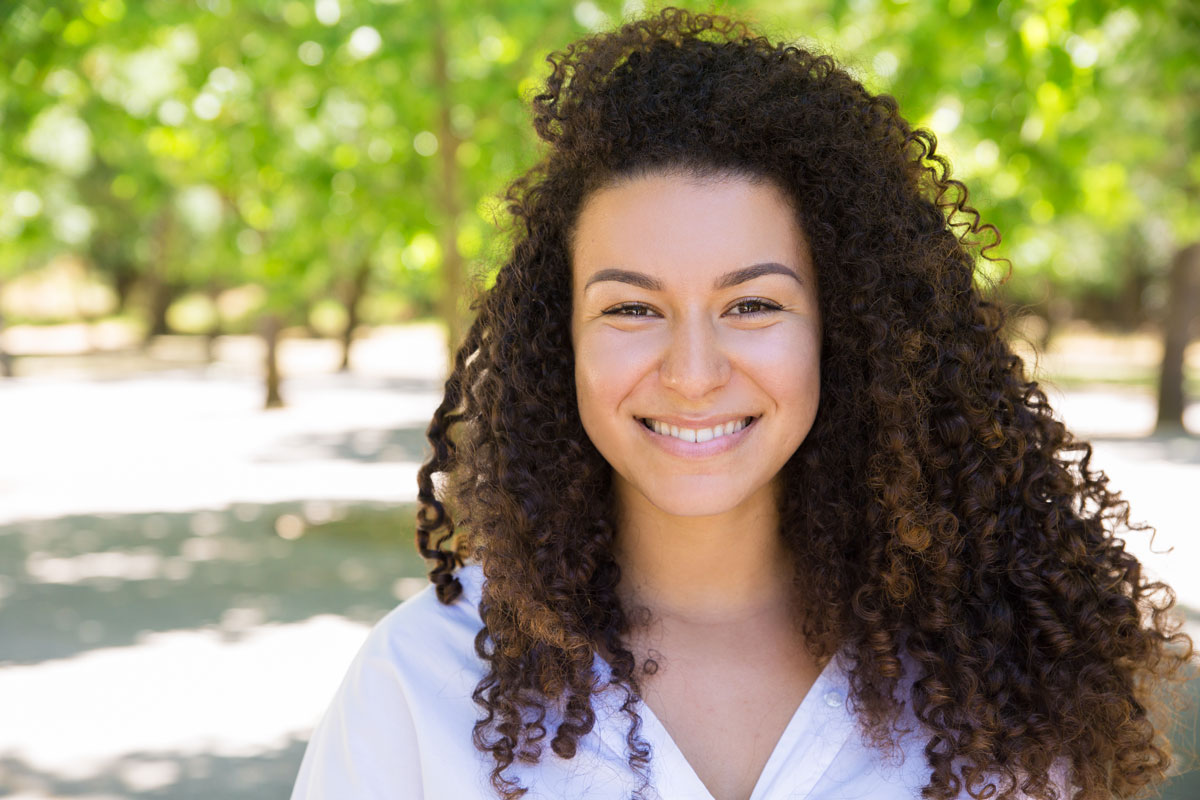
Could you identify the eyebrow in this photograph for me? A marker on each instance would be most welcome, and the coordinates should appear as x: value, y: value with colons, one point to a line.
x: 644, y: 281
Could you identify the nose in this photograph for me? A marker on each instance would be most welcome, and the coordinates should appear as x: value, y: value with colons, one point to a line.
x: 695, y: 362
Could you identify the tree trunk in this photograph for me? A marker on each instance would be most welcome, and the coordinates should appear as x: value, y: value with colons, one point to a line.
x: 124, y: 279
x: 1129, y: 313
x: 214, y: 331
x: 6, y: 359
x: 159, y: 292
x: 310, y: 330
x: 271, y: 326
x: 453, y: 269
x: 160, y: 301
x: 357, y: 290
x: 1183, y: 286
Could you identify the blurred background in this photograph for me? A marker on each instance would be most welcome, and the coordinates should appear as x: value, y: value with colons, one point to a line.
x: 238, y: 238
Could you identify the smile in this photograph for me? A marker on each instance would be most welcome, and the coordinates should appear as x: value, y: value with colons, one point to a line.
x: 697, y: 435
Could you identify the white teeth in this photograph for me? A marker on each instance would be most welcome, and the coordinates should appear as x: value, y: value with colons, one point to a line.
x: 701, y: 435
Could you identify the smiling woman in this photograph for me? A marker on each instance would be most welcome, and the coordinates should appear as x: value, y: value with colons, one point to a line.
x: 737, y: 491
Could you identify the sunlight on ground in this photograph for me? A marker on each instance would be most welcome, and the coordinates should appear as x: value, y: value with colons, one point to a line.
x: 1111, y: 411
x: 181, y: 440
x: 177, y: 692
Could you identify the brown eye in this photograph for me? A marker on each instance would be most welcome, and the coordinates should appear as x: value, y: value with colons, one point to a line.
x: 755, y: 306
x: 628, y: 310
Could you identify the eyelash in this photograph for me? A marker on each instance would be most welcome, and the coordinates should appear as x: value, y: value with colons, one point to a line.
x: 766, y: 307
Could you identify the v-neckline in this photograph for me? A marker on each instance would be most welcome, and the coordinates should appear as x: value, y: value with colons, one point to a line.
x: 816, y: 732
x: 821, y: 709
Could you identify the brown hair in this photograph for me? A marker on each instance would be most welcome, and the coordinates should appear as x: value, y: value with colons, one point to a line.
x: 936, y: 508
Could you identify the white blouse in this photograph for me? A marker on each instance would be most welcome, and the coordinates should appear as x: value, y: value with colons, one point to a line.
x: 400, y: 727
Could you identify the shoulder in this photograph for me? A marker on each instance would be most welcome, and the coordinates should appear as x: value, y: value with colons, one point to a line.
x: 424, y: 636
x: 420, y: 659
x: 404, y: 704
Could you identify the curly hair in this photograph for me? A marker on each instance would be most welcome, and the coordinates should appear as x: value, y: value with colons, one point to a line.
x: 936, y: 507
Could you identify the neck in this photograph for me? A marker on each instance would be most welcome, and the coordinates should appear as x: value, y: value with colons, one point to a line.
x: 709, y: 570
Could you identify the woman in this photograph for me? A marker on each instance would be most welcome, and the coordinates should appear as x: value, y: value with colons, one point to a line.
x: 739, y: 491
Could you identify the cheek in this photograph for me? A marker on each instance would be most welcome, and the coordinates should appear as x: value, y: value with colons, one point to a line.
x: 608, y: 369
x: 788, y: 368
x: 610, y: 363
x: 597, y: 377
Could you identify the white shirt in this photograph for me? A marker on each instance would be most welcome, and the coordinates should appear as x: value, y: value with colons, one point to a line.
x: 400, y: 727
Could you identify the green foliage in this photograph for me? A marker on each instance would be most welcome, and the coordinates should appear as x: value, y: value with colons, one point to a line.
x: 1072, y: 123
x: 197, y: 146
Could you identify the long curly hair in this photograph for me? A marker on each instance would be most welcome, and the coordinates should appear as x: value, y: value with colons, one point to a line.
x: 936, y: 507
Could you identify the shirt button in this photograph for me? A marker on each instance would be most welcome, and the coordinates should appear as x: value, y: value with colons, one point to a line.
x: 833, y: 699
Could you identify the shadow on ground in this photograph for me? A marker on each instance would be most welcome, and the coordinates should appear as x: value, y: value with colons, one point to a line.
x: 82, y: 582
x: 155, y: 776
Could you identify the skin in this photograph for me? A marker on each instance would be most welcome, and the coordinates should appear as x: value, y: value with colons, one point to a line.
x: 690, y: 349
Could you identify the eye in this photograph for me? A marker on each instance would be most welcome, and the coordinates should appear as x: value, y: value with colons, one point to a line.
x: 628, y: 310
x: 756, y: 306
x: 749, y: 307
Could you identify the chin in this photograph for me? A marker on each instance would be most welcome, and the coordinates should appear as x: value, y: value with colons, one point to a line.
x: 695, y: 502
x: 694, y: 510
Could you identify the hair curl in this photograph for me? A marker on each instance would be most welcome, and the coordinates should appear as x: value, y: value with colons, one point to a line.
x: 935, y: 506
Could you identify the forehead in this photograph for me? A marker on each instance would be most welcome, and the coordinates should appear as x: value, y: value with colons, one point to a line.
x: 669, y: 223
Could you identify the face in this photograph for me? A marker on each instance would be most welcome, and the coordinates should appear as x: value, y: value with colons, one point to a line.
x: 694, y: 306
